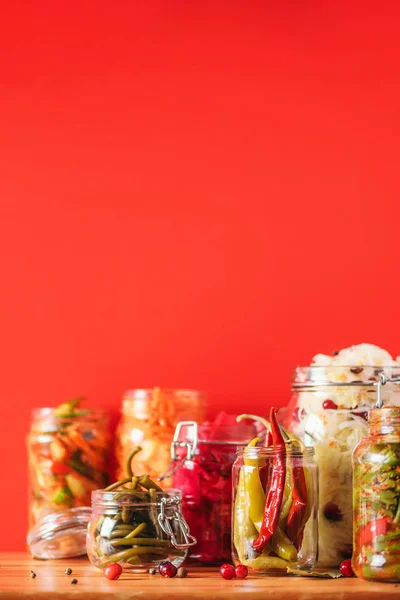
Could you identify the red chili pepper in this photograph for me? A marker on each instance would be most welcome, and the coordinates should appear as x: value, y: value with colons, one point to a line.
x: 373, y: 529
x: 275, y: 491
x: 295, y: 526
x: 268, y: 439
x: 58, y: 468
x: 265, y: 470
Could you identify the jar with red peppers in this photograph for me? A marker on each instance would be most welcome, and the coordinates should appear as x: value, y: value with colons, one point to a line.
x: 202, y: 459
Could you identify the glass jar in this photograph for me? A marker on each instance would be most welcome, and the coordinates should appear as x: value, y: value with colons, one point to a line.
x: 328, y: 410
x: 138, y: 534
x: 376, y: 498
x: 253, y: 479
x: 68, y: 458
x: 61, y: 534
x: 148, y: 420
x: 202, y: 459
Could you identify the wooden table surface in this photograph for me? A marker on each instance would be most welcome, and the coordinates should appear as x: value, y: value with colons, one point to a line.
x: 52, y: 582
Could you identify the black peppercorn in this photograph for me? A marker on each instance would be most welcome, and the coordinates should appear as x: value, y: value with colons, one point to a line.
x: 152, y: 571
x: 68, y: 571
x: 74, y: 581
x: 32, y: 574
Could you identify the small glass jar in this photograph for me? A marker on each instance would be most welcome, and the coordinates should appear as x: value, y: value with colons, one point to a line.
x: 60, y: 534
x: 328, y: 410
x: 68, y: 459
x: 376, y: 498
x: 137, y: 534
x: 291, y: 546
x: 148, y: 420
x: 203, y: 474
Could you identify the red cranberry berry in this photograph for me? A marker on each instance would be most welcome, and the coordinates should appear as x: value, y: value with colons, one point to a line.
x: 345, y: 568
x: 168, y: 570
x: 113, y: 571
x: 241, y: 571
x: 329, y: 405
x: 227, y: 571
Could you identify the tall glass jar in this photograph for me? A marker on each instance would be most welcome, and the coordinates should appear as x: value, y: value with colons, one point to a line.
x: 68, y: 457
x: 148, y: 420
x: 292, y: 546
x: 328, y: 410
x: 204, y: 455
x: 376, y: 472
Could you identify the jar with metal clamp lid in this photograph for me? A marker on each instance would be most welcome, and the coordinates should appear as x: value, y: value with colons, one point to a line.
x: 201, y: 468
x: 136, y: 531
x: 376, y: 497
x: 329, y: 410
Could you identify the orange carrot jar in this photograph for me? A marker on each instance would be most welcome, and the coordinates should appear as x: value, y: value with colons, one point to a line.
x: 148, y: 419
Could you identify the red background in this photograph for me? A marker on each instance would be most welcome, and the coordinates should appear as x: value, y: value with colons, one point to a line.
x: 197, y: 194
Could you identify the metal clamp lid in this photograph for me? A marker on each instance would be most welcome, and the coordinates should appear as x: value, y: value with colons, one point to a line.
x: 383, y: 380
x: 171, y: 511
x: 191, y: 446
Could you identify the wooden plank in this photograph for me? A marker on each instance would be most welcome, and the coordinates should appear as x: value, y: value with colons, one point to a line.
x: 52, y: 582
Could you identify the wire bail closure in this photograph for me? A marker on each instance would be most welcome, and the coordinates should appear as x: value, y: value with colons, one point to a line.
x: 170, y: 511
x: 191, y: 447
x: 383, y: 380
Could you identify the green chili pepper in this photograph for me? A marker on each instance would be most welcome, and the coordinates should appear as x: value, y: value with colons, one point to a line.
x: 287, y: 498
x: 129, y: 460
x: 282, y: 546
x: 243, y: 527
x: 125, y: 554
x: 133, y: 560
x: 139, y: 542
x: 255, y: 497
x: 137, y: 530
x: 117, y: 484
x: 265, y: 563
x: 147, y: 483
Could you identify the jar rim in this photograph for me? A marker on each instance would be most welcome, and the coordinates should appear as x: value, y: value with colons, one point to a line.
x: 320, y: 375
x: 262, y: 451
x: 107, y: 499
x: 383, y: 412
x: 48, y: 412
x: 143, y: 393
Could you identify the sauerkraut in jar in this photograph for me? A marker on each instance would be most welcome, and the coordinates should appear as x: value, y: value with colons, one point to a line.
x: 328, y: 410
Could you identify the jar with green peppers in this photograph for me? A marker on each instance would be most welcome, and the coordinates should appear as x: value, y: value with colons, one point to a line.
x: 137, y: 529
x: 376, y: 498
x: 275, y: 526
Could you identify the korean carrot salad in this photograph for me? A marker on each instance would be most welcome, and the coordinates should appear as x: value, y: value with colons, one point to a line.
x: 68, y: 457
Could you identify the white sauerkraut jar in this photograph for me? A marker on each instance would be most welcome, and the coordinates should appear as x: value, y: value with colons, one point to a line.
x: 328, y: 410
